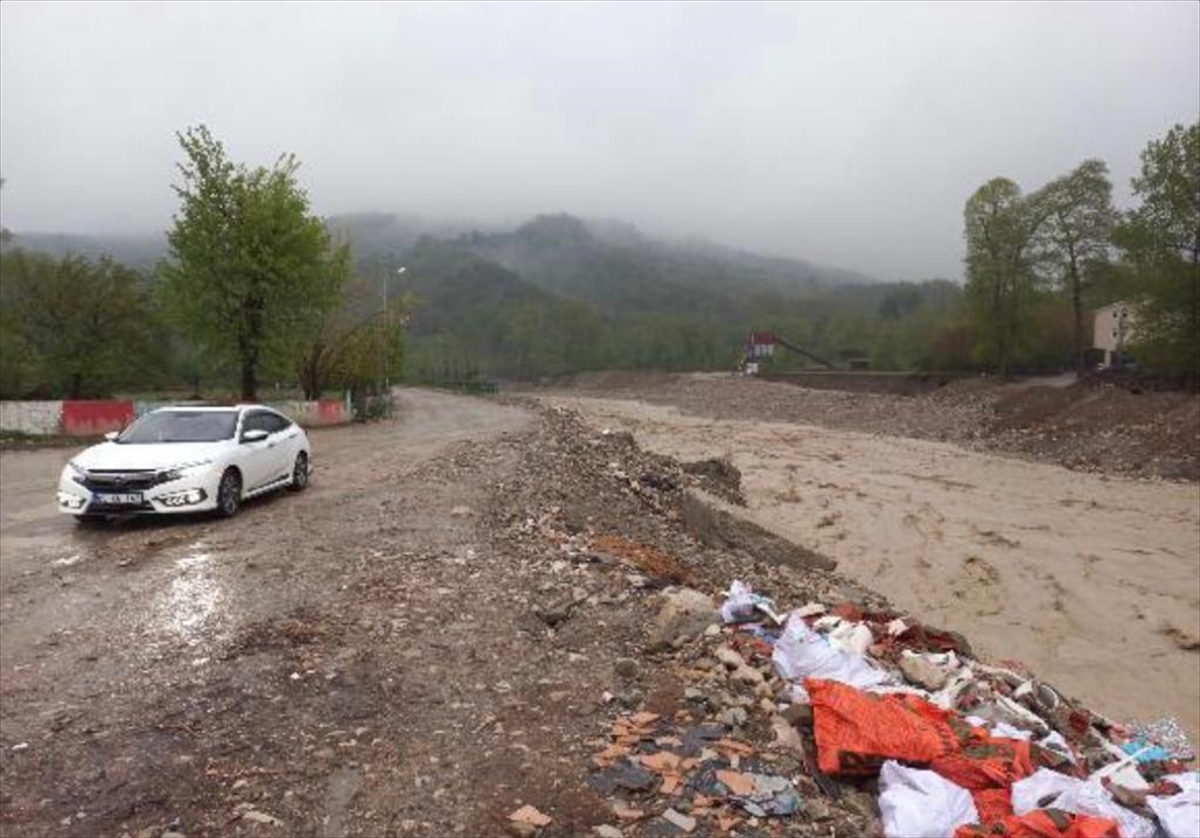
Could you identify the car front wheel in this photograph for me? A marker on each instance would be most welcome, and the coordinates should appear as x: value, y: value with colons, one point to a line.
x: 300, y: 473
x: 229, y: 493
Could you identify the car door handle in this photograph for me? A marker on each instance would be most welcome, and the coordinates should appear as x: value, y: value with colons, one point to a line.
x: 270, y: 444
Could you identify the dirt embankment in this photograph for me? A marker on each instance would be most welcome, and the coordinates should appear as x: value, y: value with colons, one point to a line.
x: 1090, y: 426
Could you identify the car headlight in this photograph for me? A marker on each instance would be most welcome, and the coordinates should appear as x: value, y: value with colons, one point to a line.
x: 80, y: 473
x: 176, y: 472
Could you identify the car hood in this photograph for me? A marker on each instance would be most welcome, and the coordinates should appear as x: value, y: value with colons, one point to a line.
x: 112, y: 456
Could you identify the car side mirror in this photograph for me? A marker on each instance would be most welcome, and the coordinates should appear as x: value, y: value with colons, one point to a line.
x: 112, y: 435
x: 255, y: 435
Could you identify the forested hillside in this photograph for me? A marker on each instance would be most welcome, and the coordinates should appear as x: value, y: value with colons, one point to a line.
x: 559, y: 294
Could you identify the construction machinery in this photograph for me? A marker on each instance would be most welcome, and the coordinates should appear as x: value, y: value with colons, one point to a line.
x: 761, y: 346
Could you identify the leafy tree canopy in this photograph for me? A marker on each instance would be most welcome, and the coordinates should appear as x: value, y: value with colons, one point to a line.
x: 251, y: 271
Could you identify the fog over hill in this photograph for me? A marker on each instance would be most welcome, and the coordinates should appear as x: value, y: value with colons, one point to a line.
x: 845, y: 134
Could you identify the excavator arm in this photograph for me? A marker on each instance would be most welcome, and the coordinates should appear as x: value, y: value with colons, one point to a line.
x: 789, y: 345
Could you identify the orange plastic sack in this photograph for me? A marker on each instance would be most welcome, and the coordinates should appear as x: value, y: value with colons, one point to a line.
x: 1043, y: 823
x: 987, y: 767
x: 857, y: 732
x: 992, y: 804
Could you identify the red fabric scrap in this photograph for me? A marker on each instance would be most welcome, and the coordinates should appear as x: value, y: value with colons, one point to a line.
x: 1043, y: 823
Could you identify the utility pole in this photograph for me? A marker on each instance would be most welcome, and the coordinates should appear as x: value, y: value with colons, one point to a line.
x: 387, y: 384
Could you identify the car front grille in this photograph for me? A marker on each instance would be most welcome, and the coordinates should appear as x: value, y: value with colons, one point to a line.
x: 120, y: 481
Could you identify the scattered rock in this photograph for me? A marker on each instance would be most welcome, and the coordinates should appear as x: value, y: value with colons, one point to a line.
x: 734, y: 717
x: 787, y: 738
x: 730, y: 658
x: 685, y: 612
x: 529, y: 815
x: 922, y: 673
x: 622, y: 775
x: 554, y: 615
x: 748, y: 675
x: 684, y: 822
x: 255, y: 816
x: 630, y: 698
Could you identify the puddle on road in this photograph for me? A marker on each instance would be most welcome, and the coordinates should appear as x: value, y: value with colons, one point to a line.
x: 194, y: 560
x: 193, y: 597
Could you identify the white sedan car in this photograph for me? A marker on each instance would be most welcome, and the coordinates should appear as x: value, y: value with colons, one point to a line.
x: 187, y: 459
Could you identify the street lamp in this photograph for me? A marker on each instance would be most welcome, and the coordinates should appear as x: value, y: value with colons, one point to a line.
x: 387, y: 387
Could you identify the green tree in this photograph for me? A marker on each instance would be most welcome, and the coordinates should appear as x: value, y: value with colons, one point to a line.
x: 248, y: 274
x: 901, y: 302
x: 1160, y: 241
x: 73, y: 327
x: 352, y: 342
x: 1077, y: 235
x: 1000, y: 227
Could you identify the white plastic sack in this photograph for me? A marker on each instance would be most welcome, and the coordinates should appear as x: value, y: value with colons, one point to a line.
x: 828, y: 623
x: 1006, y: 731
x: 1040, y: 784
x: 802, y: 653
x: 1082, y: 797
x: 1054, y: 741
x: 851, y: 638
x: 1179, y: 814
x: 740, y: 604
x: 1002, y: 730
x: 921, y: 804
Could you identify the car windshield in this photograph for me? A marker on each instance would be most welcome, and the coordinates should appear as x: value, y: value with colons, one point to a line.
x: 181, y: 426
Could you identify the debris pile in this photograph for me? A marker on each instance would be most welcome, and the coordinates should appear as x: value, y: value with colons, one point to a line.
x: 841, y: 717
x: 868, y: 704
x: 570, y: 491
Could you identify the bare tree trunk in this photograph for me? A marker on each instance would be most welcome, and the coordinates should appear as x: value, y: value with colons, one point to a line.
x: 249, y: 379
x: 250, y: 343
x: 1077, y: 305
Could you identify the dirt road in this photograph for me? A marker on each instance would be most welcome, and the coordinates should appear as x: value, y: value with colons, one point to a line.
x: 1092, y: 581
x: 159, y: 672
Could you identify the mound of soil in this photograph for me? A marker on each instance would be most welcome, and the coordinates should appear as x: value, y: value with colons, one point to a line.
x: 1090, y: 426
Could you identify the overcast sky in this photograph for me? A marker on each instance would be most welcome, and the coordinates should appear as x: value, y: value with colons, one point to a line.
x: 847, y: 134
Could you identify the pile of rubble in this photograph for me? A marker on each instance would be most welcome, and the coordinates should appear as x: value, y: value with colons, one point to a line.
x: 841, y: 717
x: 844, y: 721
x: 594, y: 494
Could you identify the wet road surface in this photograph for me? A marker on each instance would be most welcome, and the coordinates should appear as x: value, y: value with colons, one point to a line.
x: 118, y: 642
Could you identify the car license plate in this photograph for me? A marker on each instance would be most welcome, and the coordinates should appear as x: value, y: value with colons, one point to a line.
x: 124, y: 498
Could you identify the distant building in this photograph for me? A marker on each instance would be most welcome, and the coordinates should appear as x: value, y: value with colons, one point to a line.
x: 1113, y: 328
x: 760, y: 345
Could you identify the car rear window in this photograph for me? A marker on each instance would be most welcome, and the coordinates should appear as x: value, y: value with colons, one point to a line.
x: 181, y: 426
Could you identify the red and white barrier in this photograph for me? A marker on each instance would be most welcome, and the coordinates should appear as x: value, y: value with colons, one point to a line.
x: 96, y: 417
